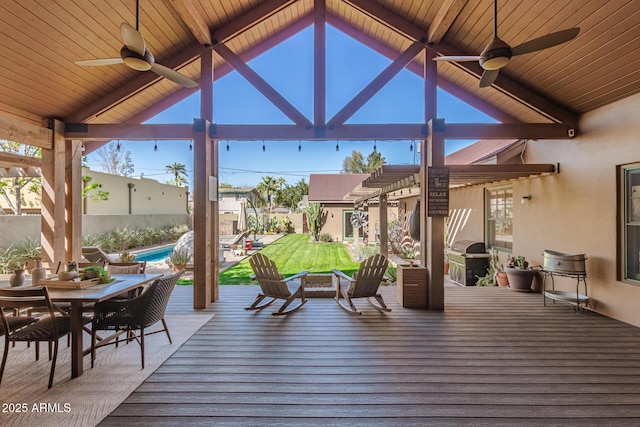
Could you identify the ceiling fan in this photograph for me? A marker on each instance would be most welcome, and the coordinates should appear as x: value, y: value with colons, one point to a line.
x: 134, y: 54
x: 497, y: 54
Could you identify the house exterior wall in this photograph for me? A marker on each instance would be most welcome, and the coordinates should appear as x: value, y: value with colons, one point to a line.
x: 575, y: 211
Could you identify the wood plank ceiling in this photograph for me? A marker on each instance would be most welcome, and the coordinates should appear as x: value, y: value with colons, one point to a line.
x: 41, y: 39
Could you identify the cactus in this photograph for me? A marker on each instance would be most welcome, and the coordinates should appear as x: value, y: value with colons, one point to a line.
x: 314, y: 220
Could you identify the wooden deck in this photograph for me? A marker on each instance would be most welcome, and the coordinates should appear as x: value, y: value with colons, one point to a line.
x: 493, y: 358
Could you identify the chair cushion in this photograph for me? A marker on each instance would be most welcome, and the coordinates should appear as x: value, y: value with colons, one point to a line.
x: 43, y: 329
x: 123, y: 269
x: 17, y: 322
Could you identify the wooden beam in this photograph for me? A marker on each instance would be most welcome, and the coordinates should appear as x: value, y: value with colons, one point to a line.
x: 384, y: 226
x: 376, y: 84
x: 81, y: 131
x: 418, y: 69
x: 261, y: 85
x: 506, y: 131
x: 434, y: 224
x: 16, y: 160
x: 447, y: 13
x: 319, y: 63
x: 202, y: 243
x: 250, y: 19
x: 513, y: 89
x: 53, y: 197
x: 73, y: 200
x: 296, y: 132
x: 25, y: 133
x: 189, y: 14
x: 224, y: 69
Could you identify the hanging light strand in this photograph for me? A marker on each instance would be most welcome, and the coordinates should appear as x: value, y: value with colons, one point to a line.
x: 337, y: 146
x: 190, y: 145
x: 155, y: 146
x: 227, y: 145
x: 299, y: 145
x: 264, y: 148
x: 411, y: 146
x: 375, y: 148
x: 118, y: 145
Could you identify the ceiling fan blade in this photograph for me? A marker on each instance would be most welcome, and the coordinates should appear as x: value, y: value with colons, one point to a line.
x: 547, y: 41
x: 461, y: 58
x: 488, y: 77
x: 132, y: 38
x: 99, y: 62
x: 173, y: 75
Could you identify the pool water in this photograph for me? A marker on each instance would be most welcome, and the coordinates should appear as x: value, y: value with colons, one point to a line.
x: 152, y: 255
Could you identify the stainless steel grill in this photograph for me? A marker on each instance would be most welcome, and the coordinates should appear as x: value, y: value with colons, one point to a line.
x: 468, y: 260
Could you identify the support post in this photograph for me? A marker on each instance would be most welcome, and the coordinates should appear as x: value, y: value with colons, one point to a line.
x: 53, y: 196
x: 202, y: 277
x: 73, y: 200
x: 384, y: 226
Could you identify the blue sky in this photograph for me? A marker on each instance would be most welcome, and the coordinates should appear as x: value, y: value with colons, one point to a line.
x: 288, y: 67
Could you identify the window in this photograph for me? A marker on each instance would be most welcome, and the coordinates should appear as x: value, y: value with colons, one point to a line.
x: 500, y: 218
x: 631, y: 223
x: 347, y: 228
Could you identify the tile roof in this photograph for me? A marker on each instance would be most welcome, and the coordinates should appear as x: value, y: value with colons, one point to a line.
x: 478, y: 151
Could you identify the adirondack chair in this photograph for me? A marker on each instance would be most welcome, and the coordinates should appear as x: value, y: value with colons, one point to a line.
x: 363, y: 284
x: 274, y: 286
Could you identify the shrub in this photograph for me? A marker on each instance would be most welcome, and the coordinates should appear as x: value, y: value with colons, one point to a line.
x: 326, y: 237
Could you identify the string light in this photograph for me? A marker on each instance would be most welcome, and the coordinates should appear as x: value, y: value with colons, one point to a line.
x: 227, y: 145
x: 263, y: 146
x: 375, y: 148
x: 190, y: 145
x: 118, y: 146
x: 299, y: 145
x: 411, y: 146
x: 155, y: 147
x: 337, y: 146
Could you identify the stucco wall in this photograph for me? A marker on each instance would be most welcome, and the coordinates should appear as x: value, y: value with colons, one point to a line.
x: 575, y: 211
x: 147, y: 196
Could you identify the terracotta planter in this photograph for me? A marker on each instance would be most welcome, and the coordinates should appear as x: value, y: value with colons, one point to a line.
x: 502, y: 279
x: 446, y: 268
x: 520, y: 279
x: 177, y: 268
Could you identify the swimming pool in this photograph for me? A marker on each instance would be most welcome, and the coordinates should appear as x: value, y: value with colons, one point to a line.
x: 157, y: 254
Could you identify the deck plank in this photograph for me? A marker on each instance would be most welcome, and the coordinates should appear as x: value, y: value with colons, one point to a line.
x: 493, y: 357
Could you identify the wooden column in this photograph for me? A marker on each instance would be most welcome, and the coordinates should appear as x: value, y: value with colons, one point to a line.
x: 384, y: 226
x: 73, y: 200
x: 202, y: 274
x: 53, y: 196
x: 432, y: 154
x: 435, y: 224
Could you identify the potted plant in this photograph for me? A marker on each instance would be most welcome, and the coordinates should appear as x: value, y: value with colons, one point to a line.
x: 127, y: 257
x: 519, y: 274
x: 179, y: 259
x: 15, y: 265
x: 95, y: 271
x: 500, y: 276
x: 408, y: 253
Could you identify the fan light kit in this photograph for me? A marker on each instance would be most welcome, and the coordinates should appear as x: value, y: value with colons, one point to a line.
x: 497, y: 54
x: 135, y: 55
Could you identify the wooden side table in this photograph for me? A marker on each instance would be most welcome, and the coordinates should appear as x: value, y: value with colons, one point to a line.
x: 412, y: 286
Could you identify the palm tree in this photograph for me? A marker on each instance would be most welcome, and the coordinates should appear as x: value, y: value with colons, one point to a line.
x: 268, y: 187
x: 177, y: 169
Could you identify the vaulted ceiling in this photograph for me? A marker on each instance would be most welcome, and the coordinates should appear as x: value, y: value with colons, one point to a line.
x: 41, y: 39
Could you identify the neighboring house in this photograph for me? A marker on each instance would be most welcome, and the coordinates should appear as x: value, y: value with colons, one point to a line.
x: 330, y: 190
x: 230, y: 199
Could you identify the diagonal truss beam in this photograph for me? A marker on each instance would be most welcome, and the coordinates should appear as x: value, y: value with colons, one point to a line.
x: 511, y: 88
x: 261, y: 85
x: 376, y: 84
x: 193, y: 19
x: 447, y: 13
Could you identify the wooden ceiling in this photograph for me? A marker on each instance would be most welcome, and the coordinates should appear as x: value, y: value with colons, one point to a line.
x: 41, y: 39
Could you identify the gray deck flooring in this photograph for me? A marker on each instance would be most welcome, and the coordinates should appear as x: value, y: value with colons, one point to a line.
x: 493, y: 358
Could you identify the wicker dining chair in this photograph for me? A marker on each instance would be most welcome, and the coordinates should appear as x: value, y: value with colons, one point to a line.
x: 136, y: 314
x: 48, y: 328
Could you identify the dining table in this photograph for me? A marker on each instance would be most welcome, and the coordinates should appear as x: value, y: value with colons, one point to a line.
x: 122, y: 283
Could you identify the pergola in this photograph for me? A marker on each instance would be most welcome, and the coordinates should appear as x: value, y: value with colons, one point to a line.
x: 48, y: 101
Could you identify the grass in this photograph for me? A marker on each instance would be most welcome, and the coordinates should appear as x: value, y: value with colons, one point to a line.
x: 292, y: 254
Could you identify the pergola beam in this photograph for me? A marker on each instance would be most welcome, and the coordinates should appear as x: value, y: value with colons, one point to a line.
x: 25, y: 133
x: 16, y: 160
x: 474, y: 131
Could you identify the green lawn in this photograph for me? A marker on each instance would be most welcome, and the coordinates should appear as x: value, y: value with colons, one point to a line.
x: 292, y: 254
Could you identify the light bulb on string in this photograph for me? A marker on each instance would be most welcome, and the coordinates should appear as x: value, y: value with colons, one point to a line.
x: 337, y: 146
x: 264, y: 148
x: 299, y: 145
x: 375, y: 148
x: 227, y: 145
x: 118, y: 146
x: 190, y: 145
x: 411, y: 146
x: 155, y: 146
